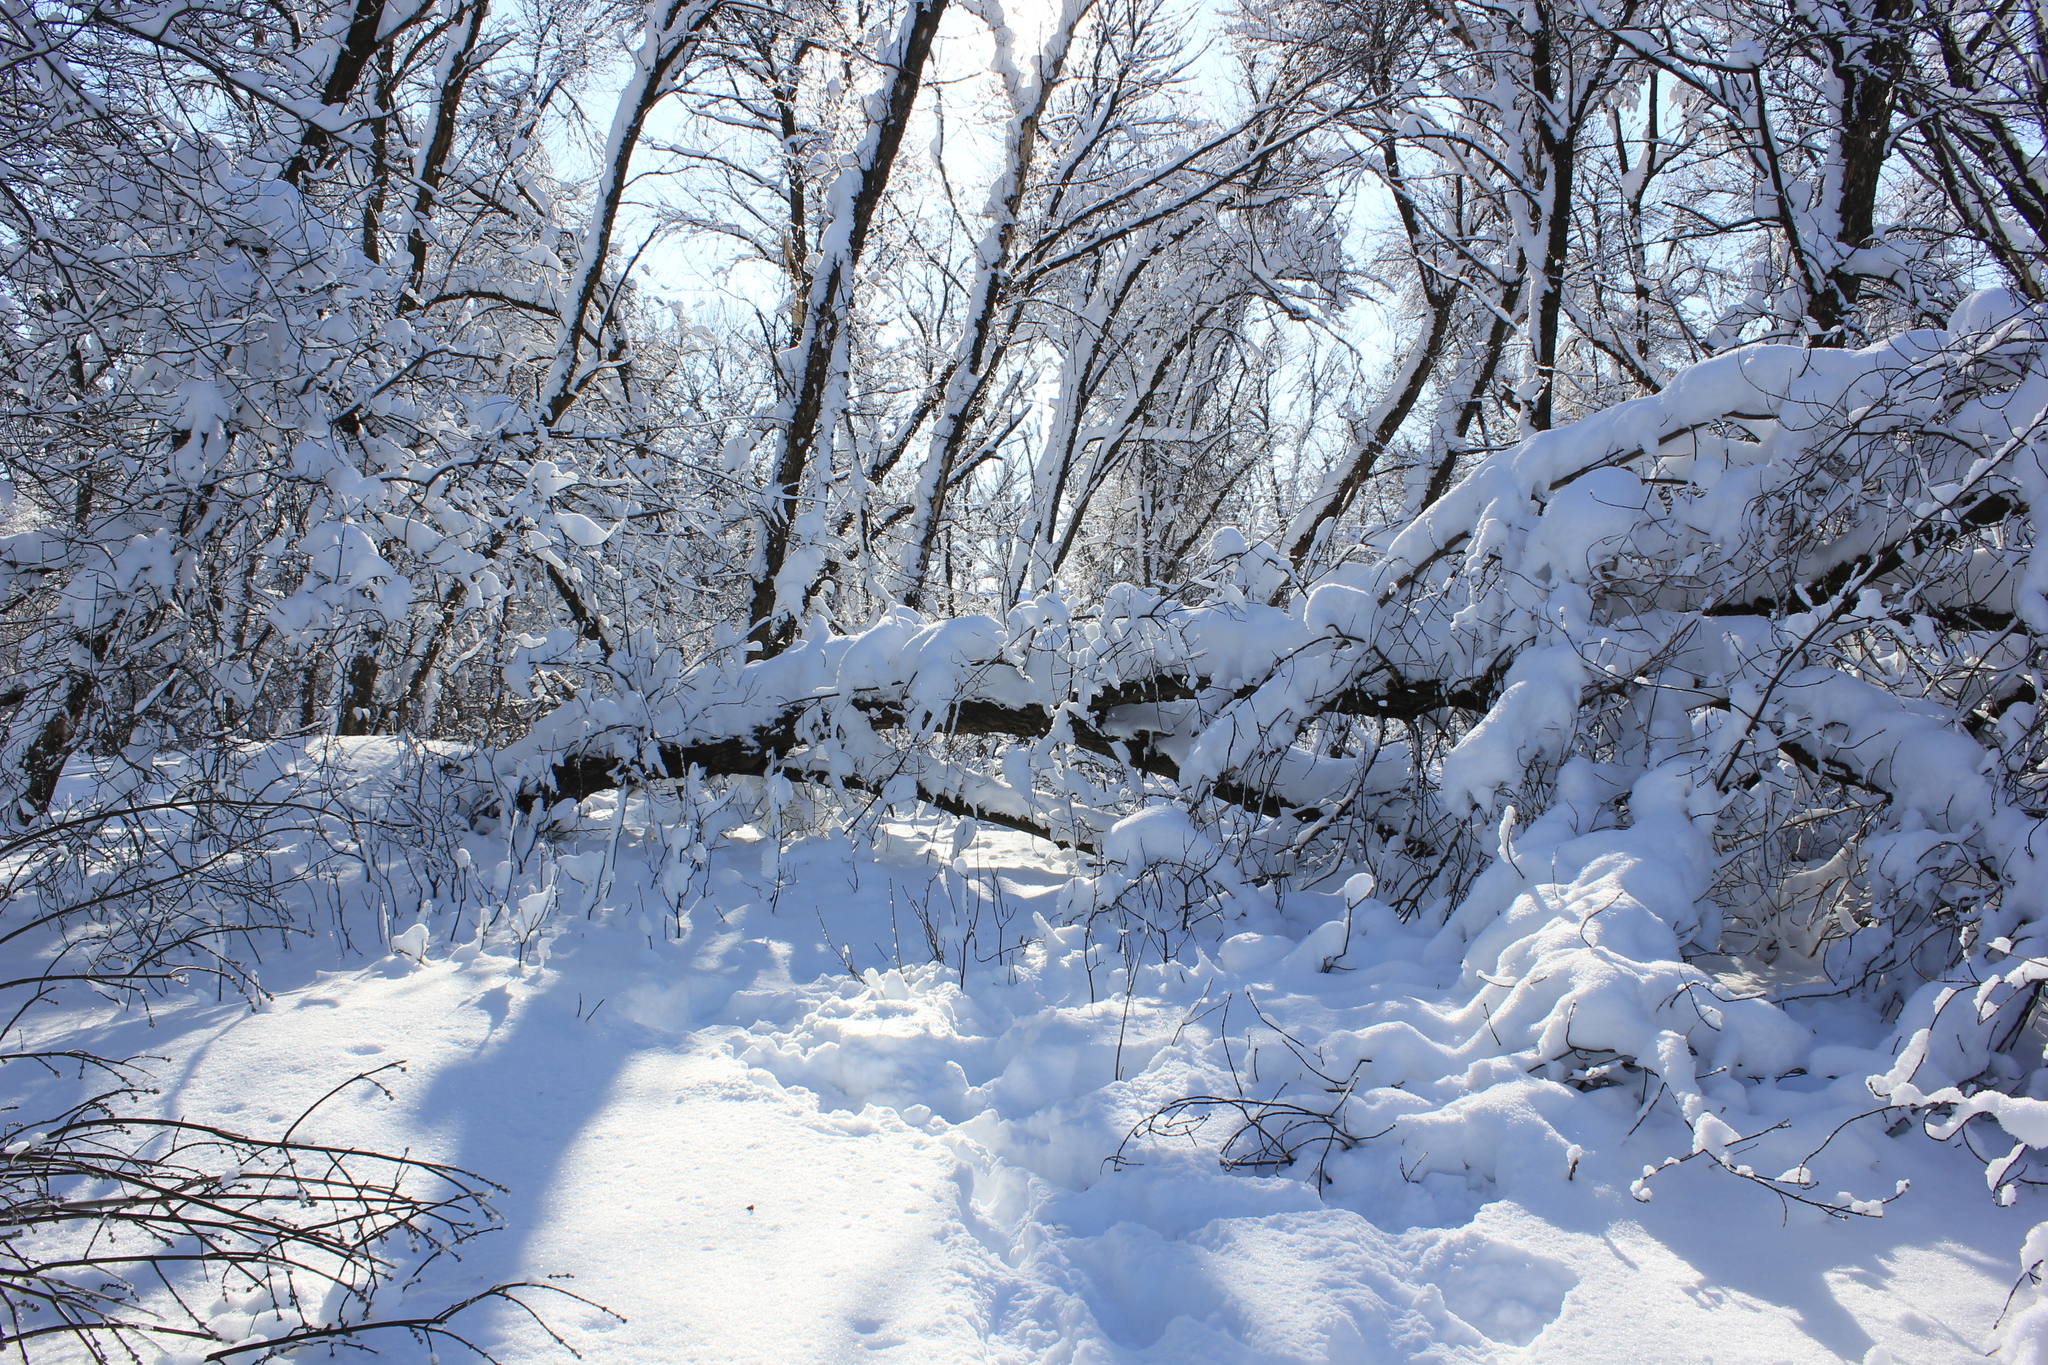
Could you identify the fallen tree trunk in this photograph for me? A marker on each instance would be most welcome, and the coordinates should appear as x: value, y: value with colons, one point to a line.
x: 781, y: 744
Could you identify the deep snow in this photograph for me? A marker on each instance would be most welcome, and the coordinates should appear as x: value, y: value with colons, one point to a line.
x: 772, y: 1129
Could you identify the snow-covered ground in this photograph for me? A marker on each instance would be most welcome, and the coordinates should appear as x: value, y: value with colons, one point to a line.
x: 772, y: 1128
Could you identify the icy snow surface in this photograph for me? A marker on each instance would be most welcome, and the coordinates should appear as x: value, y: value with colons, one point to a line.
x: 754, y: 1155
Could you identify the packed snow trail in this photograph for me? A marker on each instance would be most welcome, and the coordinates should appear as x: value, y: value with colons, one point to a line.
x: 751, y: 1155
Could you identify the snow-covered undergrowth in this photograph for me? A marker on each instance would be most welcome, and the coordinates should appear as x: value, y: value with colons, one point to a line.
x: 935, y: 1092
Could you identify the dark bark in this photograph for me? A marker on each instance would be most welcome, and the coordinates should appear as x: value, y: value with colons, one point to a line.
x: 663, y: 62
x: 358, y: 711
x: 1440, y: 297
x: 433, y: 168
x: 1559, y: 150
x: 1889, y: 559
x: 357, y: 47
x: 824, y: 327
x: 782, y: 743
x: 1867, y: 65
x: 43, y: 764
x: 1440, y: 478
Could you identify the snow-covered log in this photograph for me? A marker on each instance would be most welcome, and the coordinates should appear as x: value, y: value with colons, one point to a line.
x: 813, y: 710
